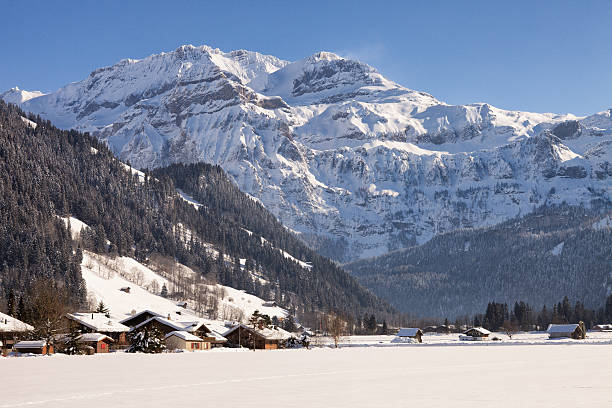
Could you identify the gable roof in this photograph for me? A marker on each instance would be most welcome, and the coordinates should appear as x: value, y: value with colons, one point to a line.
x: 31, y: 344
x: 480, y: 330
x: 183, y: 335
x: 561, y: 328
x: 99, y: 322
x: 127, y: 319
x: 408, y: 331
x: 269, y: 333
x: 180, y: 326
x: 10, y: 324
x: 88, y: 337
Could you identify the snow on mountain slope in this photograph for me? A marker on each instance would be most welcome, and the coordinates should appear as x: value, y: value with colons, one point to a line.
x: 356, y: 163
x: 18, y: 96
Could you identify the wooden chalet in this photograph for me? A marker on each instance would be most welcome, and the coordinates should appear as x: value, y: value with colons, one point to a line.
x: 101, y: 323
x: 96, y: 342
x: 136, y: 319
x: 408, y: 334
x: 182, y: 340
x: 475, y: 334
x: 11, y: 330
x: 574, y: 331
x: 265, y: 338
x: 195, y: 327
x: 34, y: 347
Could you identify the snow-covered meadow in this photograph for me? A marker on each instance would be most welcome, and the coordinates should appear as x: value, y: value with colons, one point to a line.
x: 574, y: 375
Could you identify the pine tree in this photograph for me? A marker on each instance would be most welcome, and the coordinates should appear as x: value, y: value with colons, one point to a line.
x: 385, y: 329
x: 148, y: 341
x: 101, y: 308
x: 164, y: 291
x: 72, y: 345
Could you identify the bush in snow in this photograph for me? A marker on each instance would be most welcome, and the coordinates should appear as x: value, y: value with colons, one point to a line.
x: 147, y: 341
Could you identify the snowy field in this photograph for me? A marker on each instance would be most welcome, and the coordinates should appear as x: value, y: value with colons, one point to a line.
x: 576, y: 375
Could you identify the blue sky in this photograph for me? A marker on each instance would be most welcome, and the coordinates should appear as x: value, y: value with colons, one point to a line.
x: 531, y: 55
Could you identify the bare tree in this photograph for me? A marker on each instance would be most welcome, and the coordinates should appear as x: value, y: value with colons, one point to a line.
x: 336, y: 328
x: 49, y: 303
x: 509, y: 328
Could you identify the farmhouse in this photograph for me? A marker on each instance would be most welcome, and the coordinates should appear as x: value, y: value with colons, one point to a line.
x: 266, y: 338
x: 136, y: 319
x: 34, y: 347
x: 574, y: 331
x: 195, y: 327
x: 96, y: 342
x: 409, y: 334
x: 475, y: 334
x: 100, y: 323
x: 182, y: 340
x: 11, y: 330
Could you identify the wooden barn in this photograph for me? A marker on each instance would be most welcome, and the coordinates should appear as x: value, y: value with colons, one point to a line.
x: 408, y: 334
x: 572, y: 331
x: 182, y: 340
x: 475, y: 334
x: 195, y: 327
x: 100, y: 323
x: 11, y: 330
x: 267, y: 338
x: 34, y: 347
x: 137, y: 318
x: 96, y: 342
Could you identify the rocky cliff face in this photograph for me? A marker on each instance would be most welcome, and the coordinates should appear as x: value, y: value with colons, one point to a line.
x: 356, y: 163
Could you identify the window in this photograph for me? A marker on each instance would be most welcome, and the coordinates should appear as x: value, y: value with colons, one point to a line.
x: 103, y: 346
x: 197, y: 346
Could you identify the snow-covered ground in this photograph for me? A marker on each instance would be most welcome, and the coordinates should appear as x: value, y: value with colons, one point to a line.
x: 529, y: 376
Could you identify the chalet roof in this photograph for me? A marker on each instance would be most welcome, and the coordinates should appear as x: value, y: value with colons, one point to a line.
x: 138, y: 314
x: 10, y: 324
x: 183, y: 335
x: 480, y: 330
x: 271, y: 333
x: 91, y: 337
x: 561, y: 328
x: 31, y: 344
x: 603, y: 326
x: 100, y: 322
x: 180, y: 326
x: 408, y: 331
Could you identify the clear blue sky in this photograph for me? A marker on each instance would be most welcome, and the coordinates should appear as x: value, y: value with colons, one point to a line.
x: 531, y: 55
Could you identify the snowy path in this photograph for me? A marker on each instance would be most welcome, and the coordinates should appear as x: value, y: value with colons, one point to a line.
x: 530, y: 376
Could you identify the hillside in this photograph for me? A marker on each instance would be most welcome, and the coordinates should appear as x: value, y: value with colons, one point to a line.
x: 539, y: 258
x: 49, y: 173
x: 358, y: 164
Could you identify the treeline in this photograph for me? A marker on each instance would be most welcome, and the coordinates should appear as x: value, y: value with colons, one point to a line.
x: 47, y: 173
x: 541, y: 257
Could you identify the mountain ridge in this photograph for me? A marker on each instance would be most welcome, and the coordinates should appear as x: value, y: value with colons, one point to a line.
x: 356, y: 163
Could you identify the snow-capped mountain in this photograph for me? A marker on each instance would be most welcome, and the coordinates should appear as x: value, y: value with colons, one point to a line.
x: 355, y: 162
x: 18, y: 96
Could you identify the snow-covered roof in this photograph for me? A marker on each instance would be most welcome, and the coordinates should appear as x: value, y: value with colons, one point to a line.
x: 183, y: 335
x: 561, y: 328
x: 99, y: 322
x: 408, y: 331
x: 138, y: 314
x: 10, y: 324
x: 480, y: 330
x: 189, y: 326
x: 270, y: 333
x: 88, y: 337
x: 31, y: 344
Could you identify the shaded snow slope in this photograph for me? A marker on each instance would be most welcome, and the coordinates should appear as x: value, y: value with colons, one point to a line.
x: 358, y: 164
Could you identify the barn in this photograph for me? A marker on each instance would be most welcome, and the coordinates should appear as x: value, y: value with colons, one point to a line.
x: 182, y: 340
x: 100, y: 323
x: 574, y: 331
x: 266, y: 338
x: 96, y: 342
x: 34, y: 347
x: 408, y: 335
x: 475, y: 334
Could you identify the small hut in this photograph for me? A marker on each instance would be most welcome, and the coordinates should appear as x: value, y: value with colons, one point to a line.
x: 96, y: 342
x: 573, y: 331
x: 475, y: 334
x: 182, y: 340
x: 408, y: 335
x: 34, y: 347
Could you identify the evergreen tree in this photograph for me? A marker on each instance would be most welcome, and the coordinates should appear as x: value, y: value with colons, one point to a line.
x: 72, y: 345
x: 147, y: 341
x: 101, y: 308
x: 164, y: 291
x: 289, y: 324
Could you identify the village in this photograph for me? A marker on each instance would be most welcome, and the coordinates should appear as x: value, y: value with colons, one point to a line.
x: 147, y: 331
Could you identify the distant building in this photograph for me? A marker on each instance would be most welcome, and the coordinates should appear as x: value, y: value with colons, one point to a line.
x: 34, y: 347
x: 475, y: 334
x: 430, y: 329
x: 267, y: 338
x: 182, y: 340
x: 99, y: 323
x: 137, y: 318
x: 409, y: 334
x: 602, y: 328
x: 96, y: 342
x: 573, y: 331
x: 444, y: 329
x: 196, y: 327
x: 11, y: 330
